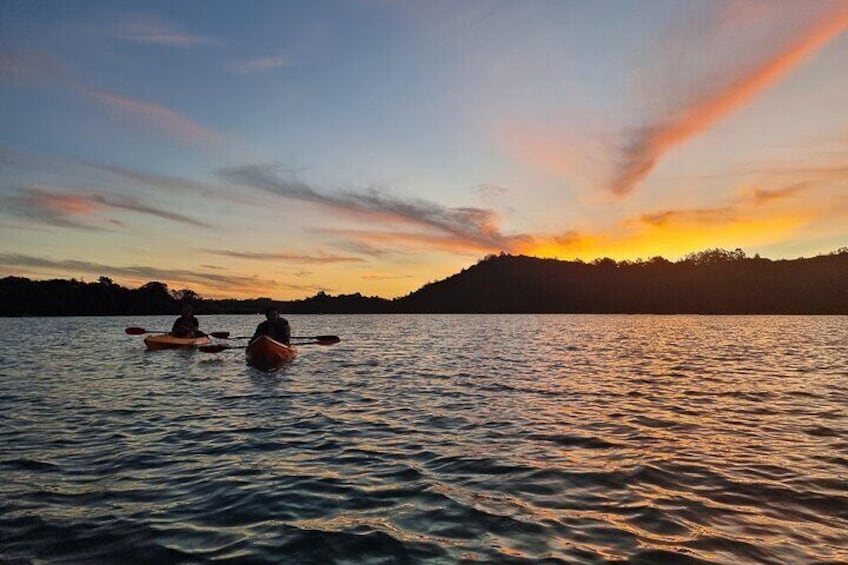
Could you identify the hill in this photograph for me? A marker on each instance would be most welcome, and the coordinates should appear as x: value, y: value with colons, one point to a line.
x: 710, y: 282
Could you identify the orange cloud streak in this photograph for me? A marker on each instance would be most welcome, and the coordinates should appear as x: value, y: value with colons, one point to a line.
x: 653, y: 142
x: 64, y: 204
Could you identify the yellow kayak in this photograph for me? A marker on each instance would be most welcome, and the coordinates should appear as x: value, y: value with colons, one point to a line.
x: 167, y: 341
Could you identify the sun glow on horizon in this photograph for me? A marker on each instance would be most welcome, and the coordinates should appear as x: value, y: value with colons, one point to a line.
x: 672, y: 241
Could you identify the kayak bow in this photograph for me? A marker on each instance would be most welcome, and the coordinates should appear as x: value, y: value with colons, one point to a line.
x: 269, y: 355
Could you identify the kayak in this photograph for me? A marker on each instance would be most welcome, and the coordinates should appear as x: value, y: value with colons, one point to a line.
x: 268, y: 355
x: 167, y: 341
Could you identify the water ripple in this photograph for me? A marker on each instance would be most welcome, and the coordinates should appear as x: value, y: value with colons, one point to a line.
x: 431, y: 439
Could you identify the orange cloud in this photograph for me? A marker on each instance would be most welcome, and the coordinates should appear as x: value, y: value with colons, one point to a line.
x: 63, y: 204
x: 53, y: 205
x: 650, y: 143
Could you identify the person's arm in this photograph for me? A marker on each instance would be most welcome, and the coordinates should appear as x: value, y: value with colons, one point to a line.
x: 260, y: 330
x: 196, y: 324
x: 176, y: 328
x: 286, y: 331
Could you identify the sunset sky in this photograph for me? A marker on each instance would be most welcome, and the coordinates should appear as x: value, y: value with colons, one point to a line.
x: 281, y: 148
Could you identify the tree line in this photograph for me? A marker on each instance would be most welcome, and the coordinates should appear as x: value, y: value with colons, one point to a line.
x: 714, y: 281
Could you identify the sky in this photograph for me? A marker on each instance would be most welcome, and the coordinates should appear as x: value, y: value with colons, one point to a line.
x: 266, y: 148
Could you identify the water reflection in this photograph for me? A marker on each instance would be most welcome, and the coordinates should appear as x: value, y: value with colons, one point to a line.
x: 508, y: 439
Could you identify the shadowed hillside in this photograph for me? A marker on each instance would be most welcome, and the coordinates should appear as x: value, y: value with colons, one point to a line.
x: 710, y: 282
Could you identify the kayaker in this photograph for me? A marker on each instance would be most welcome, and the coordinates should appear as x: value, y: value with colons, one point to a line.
x: 275, y: 327
x: 186, y: 325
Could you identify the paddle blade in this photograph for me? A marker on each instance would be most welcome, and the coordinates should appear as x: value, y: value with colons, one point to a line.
x: 135, y: 331
x: 217, y: 348
x: 226, y: 335
x: 327, y: 339
x: 323, y: 339
x: 319, y: 340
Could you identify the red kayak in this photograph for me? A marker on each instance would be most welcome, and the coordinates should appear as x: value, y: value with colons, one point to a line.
x: 268, y: 355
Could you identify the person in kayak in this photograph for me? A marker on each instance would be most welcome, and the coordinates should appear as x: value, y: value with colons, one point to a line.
x: 275, y: 327
x: 186, y: 325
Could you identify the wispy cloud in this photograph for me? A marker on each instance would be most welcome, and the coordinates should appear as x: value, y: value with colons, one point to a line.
x: 133, y: 205
x: 157, y: 182
x: 106, y: 177
x: 317, y: 258
x: 400, y: 241
x: 717, y: 98
x: 62, y: 212
x: 358, y: 247
x: 156, y: 116
x: 257, y: 65
x: 63, y: 204
x: 62, y: 207
x: 478, y: 226
x: 138, y: 272
x: 39, y: 68
x: 147, y: 29
x: 709, y: 216
x: 763, y: 196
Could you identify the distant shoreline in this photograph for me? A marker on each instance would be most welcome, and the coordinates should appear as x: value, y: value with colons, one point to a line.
x: 712, y: 282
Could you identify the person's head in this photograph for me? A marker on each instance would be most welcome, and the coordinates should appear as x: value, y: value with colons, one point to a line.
x: 186, y: 310
x: 272, y: 313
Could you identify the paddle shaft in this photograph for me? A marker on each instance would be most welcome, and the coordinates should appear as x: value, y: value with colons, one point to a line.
x: 140, y: 331
x: 218, y: 347
x: 327, y: 338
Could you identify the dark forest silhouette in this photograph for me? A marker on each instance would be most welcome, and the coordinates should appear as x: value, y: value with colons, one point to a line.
x: 715, y: 281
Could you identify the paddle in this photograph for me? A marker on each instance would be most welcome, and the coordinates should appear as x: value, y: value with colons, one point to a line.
x: 219, y: 347
x: 139, y: 331
x: 319, y: 340
x: 226, y: 335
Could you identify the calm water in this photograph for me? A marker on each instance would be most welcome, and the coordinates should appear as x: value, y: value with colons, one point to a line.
x: 430, y: 439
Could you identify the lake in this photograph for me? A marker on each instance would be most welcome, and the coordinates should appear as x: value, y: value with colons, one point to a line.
x: 430, y: 439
